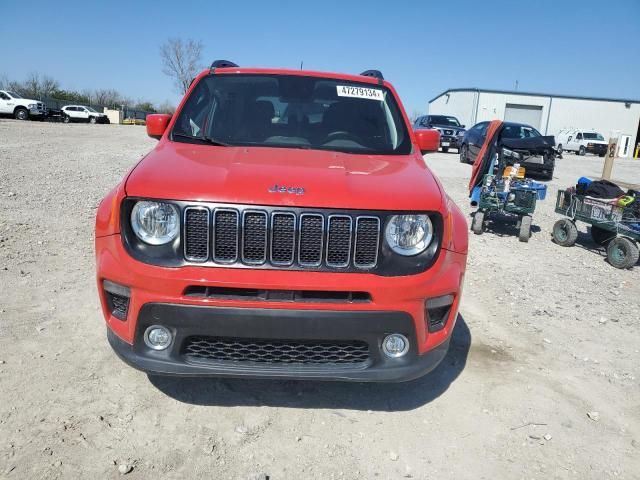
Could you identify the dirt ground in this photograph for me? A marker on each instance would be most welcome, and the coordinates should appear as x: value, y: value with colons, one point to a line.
x: 542, y: 380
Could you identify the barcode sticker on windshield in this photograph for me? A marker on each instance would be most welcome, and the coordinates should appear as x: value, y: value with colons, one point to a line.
x: 360, y: 92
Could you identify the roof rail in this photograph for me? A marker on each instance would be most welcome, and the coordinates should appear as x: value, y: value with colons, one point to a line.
x: 222, y: 64
x: 373, y: 73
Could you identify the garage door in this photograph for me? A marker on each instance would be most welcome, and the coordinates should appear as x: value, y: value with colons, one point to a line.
x: 529, y: 114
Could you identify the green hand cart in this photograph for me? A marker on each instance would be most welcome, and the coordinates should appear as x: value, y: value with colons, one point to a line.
x: 614, y: 227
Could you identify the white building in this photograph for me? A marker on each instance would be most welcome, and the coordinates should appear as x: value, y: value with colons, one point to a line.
x: 546, y: 112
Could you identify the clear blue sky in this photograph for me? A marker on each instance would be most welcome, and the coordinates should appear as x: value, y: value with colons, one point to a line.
x: 424, y: 47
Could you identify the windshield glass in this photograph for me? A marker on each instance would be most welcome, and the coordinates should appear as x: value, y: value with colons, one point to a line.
x: 444, y: 120
x: 519, y: 131
x: 14, y: 95
x: 593, y: 136
x: 91, y: 109
x: 293, y: 112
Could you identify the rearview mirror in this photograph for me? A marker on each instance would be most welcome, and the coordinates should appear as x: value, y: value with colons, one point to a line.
x: 157, y: 124
x: 428, y: 140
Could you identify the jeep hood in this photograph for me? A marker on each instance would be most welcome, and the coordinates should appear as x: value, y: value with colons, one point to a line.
x: 245, y: 175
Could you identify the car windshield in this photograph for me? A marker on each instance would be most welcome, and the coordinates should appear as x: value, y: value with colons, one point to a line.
x: 444, y: 120
x: 290, y: 111
x: 14, y: 95
x: 519, y: 131
x: 91, y: 109
x: 593, y: 136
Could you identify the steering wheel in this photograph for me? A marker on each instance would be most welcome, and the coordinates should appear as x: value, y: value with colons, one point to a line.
x: 341, y: 134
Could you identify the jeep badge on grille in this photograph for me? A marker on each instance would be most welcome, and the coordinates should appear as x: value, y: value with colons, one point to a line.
x: 284, y: 189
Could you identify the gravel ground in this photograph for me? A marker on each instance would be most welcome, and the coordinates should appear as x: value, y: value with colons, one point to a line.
x: 541, y: 380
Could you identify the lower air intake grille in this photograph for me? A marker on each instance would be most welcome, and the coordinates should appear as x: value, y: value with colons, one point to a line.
x: 276, y: 352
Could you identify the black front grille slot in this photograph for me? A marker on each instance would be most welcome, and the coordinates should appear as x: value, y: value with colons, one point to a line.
x: 311, y: 240
x: 339, y: 241
x: 283, y: 238
x: 254, y: 237
x: 312, y: 352
x: 367, y: 240
x: 311, y: 296
x: 196, y: 234
x: 226, y: 232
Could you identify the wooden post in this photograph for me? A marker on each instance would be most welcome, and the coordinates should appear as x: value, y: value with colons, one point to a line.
x: 612, y: 150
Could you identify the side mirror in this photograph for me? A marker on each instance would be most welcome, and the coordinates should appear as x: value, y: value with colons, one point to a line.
x: 462, y: 126
x: 428, y: 140
x: 157, y: 124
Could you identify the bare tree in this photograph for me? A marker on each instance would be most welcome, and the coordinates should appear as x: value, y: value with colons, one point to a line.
x: 166, y: 107
x: 4, y: 81
x: 106, y: 97
x: 49, y: 85
x: 181, y: 61
x: 31, y: 86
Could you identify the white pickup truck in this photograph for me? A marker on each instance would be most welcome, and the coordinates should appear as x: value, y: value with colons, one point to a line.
x: 21, y: 108
x: 581, y: 142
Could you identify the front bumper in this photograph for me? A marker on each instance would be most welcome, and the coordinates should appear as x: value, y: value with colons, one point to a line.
x: 450, y: 141
x: 397, y: 305
x: 597, y: 149
x: 187, y: 322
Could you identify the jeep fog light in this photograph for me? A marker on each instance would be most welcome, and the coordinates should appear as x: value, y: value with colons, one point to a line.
x: 157, y: 337
x: 437, y: 311
x: 395, y: 345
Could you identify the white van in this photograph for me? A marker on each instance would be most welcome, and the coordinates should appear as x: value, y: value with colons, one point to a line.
x: 581, y: 142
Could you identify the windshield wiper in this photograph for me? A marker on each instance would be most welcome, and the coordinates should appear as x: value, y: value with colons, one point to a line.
x: 215, y: 142
x: 203, y: 139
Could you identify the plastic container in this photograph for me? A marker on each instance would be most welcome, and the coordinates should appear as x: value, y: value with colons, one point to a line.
x: 540, y: 188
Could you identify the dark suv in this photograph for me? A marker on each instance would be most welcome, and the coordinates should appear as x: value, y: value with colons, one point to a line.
x: 451, y: 132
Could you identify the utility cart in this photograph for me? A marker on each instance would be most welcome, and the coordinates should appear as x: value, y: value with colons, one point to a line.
x: 498, y: 186
x: 502, y: 196
x: 613, y: 226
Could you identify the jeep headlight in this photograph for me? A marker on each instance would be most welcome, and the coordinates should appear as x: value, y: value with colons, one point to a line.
x: 409, y: 234
x: 31, y: 106
x: 155, y: 223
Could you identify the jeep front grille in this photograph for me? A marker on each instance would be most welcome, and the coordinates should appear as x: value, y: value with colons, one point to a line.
x: 280, y: 239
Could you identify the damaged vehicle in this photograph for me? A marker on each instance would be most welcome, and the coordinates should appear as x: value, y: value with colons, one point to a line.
x: 532, y: 150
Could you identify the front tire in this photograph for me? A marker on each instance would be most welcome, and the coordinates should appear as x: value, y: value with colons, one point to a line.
x: 21, y: 114
x: 463, y: 154
x: 622, y: 253
x: 559, y: 149
x: 92, y: 120
x: 477, y: 225
x: 565, y: 232
x: 66, y: 119
x: 525, y: 228
x: 582, y: 151
x: 445, y: 149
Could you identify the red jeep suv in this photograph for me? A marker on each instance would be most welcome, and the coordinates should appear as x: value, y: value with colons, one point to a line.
x: 285, y: 226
